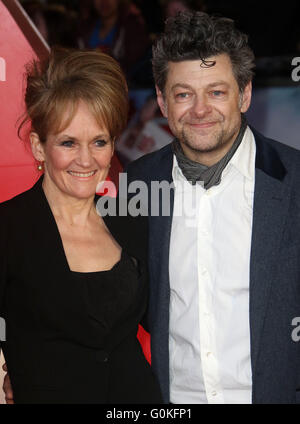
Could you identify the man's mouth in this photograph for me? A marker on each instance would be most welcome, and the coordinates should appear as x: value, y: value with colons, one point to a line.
x: 203, y: 124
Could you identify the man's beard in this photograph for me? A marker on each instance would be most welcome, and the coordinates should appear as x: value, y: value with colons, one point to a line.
x: 217, y: 140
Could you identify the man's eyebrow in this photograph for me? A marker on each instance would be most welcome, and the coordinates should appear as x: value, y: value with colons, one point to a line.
x: 189, y: 87
x: 181, y: 85
x: 217, y: 83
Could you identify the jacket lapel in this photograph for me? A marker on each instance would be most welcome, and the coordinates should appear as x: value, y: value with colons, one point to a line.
x: 159, y: 246
x: 159, y: 234
x: 271, y: 200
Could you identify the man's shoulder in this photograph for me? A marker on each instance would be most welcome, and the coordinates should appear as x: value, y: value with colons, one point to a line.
x: 285, y: 151
x: 286, y: 156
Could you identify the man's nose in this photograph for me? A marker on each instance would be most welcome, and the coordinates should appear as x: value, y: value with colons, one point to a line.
x: 201, y: 106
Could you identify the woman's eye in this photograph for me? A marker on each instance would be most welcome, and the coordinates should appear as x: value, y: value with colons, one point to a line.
x: 67, y: 143
x: 100, y: 143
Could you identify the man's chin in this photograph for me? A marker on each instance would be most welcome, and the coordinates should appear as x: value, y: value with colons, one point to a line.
x: 202, y: 141
x: 199, y: 147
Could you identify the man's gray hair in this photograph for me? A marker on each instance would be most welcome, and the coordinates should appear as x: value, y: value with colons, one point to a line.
x: 196, y: 35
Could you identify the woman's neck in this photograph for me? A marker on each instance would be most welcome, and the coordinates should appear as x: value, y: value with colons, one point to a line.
x: 71, y: 210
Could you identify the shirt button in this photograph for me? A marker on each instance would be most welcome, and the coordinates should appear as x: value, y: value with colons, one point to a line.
x: 204, y: 271
x: 102, y: 356
x: 214, y: 393
x: 208, y: 354
x: 200, y: 183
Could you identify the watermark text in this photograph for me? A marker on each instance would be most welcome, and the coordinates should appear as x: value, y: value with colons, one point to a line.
x: 2, y: 69
x: 296, y: 70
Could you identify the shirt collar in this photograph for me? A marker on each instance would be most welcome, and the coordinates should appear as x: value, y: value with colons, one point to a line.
x: 177, y: 174
x: 244, y: 158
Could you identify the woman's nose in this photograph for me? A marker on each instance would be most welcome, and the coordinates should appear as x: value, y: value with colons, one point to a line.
x: 84, y: 157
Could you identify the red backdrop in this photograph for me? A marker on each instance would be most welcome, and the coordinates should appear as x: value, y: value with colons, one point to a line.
x: 19, y: 43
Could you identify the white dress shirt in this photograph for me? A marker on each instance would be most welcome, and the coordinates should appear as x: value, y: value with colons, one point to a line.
x: 209, y: 280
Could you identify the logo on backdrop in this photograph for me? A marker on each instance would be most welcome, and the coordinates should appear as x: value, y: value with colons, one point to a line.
x: 2, y: 330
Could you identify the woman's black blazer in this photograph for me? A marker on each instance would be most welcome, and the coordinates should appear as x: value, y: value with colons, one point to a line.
x: 34, y: 277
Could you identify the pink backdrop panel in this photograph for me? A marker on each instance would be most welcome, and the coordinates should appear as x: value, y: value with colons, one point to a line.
x: 19, y: 43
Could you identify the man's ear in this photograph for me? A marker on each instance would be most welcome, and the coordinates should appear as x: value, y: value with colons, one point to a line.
x: 246, y: 97
x: 36, y: 147
x: 161, y: 102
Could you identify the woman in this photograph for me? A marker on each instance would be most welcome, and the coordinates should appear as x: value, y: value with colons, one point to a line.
x: 72, y: 287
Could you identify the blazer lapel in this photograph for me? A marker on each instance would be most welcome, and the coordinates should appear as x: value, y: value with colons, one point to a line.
x: 271, y: 200
x: 159, y: 235
x: 159, y: 246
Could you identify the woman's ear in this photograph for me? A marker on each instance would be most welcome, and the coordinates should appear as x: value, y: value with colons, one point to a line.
x: 36, y: 147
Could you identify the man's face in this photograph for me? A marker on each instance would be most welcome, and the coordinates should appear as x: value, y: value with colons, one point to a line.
x: 203, y: 106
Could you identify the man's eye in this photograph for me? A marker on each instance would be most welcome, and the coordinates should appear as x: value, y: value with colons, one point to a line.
x: 217, y: 93
x: 182, y: 96
x: 100, y: 143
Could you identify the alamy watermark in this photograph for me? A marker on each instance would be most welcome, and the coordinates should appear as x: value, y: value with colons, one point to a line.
x: 2, y: 69
x: 2, y: 330
x: 296, y: 70
x: 152, y: 199
x: 296, y: 331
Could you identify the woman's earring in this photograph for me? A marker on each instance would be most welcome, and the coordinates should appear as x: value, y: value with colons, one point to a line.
x: 40, y: 166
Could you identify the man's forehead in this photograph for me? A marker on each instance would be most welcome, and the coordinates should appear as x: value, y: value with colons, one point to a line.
x: 191, y: 72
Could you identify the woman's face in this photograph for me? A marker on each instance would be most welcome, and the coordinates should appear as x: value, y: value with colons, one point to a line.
x: 77, y: 159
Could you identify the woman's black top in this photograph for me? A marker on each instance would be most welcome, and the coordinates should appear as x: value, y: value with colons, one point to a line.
x: 70, y: 336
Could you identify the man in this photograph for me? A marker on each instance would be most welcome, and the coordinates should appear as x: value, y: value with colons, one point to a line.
x: 224, y: 274
x: 225, y: 281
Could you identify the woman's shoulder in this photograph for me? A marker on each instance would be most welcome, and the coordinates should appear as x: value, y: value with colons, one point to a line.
x: 19, y: 204
x: 12, y: 216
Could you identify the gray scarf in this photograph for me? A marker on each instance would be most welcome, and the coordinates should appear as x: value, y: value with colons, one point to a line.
x: 194, y: 171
